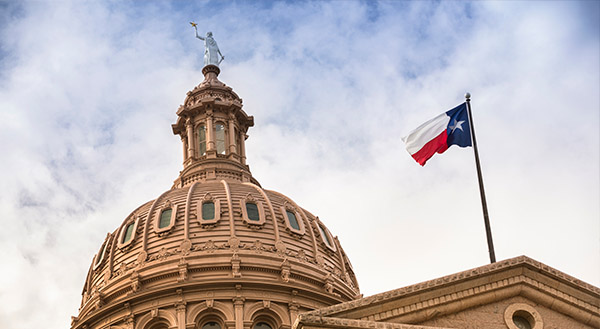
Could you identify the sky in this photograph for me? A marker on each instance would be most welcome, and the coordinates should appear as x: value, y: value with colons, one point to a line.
x: 89, y: 89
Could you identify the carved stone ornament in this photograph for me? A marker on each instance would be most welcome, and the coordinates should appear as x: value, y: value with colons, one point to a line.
x: 207, y: 197
x: 141, y: 259
x: 210, y: 303
x: 266, y: 304
x: 167, y: 205
x: 250, y: 198
x: 329, y: 283
x: 234, y: 243
x: 280, y: 247
x: 235, y: 265
x: 186, y: 246
x: 257, y: 246
x: 183, y: 272
x: 129, y: 321
x: 320, y: 261
x: 285, y: 270
x: 136, y: 281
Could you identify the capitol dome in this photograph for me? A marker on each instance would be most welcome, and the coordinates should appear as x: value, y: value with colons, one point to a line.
x: 216, y: 250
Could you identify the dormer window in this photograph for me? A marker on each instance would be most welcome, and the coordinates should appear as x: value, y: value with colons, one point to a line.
x: 252, y: 211
x: 292, y: 219
x: 208, y: 210
x: 202, y: 140
x: 101, y: 253
x: 326, y: 236
x: 127, y: 234
x: 165, y: 218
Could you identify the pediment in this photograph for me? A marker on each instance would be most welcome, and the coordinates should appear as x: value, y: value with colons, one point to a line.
x: 493, y: 287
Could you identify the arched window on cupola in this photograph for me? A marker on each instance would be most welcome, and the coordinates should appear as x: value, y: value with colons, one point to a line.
x: 220, y: 137
x: 202, y: 140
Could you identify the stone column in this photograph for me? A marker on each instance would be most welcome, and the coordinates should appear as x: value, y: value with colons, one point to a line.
x: 238, y: 304
x: 190, y: 137
x: 231, y: 133
x: 293, y: 307
x: 243, y: 147
x: 185, y: 149
x: 180, y: 307
x: 210, y: 136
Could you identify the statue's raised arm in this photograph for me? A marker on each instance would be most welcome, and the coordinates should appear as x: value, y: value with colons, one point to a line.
x: 212, y: 54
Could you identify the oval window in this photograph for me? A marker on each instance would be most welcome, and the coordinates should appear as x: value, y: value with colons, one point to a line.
x: 165, y: 218
x: 208, y: 210
x: 252, y: 210
x: 128, y: 233
x: 521, y: 322
x: 292, y: 220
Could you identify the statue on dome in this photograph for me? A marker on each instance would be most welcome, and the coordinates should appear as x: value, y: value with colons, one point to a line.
x: 211, y: 50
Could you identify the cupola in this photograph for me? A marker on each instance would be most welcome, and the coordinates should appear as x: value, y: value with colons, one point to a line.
x: 213, y: 127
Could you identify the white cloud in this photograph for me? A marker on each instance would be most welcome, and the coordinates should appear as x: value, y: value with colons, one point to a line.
x: 88, y: 92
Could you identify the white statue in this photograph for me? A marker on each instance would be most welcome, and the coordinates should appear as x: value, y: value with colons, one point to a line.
x: 211, y: 50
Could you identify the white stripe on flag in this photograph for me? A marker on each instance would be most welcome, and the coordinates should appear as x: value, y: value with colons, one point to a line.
x: 417, y: 138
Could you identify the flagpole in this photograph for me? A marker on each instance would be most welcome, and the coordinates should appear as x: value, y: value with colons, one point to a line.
x: 486, y: 219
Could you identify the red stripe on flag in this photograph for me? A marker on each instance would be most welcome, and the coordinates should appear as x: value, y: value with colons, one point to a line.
x: 436, y: 145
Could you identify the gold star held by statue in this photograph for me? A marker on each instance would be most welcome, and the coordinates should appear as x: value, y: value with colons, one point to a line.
x: 193, y: 24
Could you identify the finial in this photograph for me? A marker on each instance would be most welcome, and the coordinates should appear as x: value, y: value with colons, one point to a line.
x: 468, y: 96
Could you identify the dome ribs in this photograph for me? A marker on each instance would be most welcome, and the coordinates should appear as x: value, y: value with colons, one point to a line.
x: 186, y: 218
x: 229, y: 208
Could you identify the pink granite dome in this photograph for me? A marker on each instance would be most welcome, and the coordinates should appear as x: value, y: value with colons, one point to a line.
x: 215, y: 235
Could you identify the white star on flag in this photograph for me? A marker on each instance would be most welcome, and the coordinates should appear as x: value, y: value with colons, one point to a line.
x: 457, y: 124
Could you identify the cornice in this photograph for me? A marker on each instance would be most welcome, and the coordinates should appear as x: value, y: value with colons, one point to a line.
x: 525, y: 279
x: 309, y: 320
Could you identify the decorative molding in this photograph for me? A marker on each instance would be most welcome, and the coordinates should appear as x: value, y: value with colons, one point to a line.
x: 311, y: 320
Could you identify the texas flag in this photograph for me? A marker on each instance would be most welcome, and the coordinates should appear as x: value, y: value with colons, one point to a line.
x: 438, y: 134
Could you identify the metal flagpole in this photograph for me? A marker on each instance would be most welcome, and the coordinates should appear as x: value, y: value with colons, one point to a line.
x: 486, y: 219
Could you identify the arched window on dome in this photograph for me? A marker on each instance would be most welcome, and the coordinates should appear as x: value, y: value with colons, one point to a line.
x: 101, y: 253
x: 127, y: 234
x: 165, y: 217
x: 202, y: 140
x: 262, y: 325
x: 208, y: 210
x: 252, y: 211
x: 220, y: 137
x: 211, y: 325
x: 326, y: 236
x: 292, y: 218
